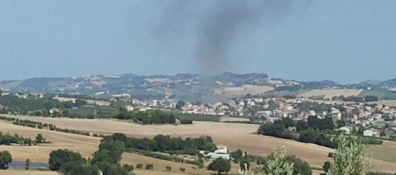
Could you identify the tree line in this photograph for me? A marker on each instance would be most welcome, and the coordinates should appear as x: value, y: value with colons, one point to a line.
x: 7, y: 139
x: 149, y: 117
x: 162, y: 143
x: 32, y: 104
x: 40, y: 125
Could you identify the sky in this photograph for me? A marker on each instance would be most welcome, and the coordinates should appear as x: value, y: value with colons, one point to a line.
x: 346, y: 41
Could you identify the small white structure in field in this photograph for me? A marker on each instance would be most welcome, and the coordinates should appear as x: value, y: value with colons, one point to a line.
x: 221, y: 152
x: 370, y: 132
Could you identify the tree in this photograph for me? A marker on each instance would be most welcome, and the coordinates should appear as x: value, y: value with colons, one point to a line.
x: 220, y: 165
x: 277, y: 163
x: 244, y: 165
x: 313, y: 122
x: 340, y: 123
x: 27, y: 164
x: 40, y: 138
x: 288, y: 122
x: 111, y: 169
x: 75, y: 168
x: 309, y: 136
x: 326, y: 166
x: 269, y: 129
x: 5, y: 159
x: 326, y: 123
x: 110, y: 151
x: 180, y: 104
x: 300, y: 167
x: 237, y: 155
x: 350, y: 157
x: 63, y: 156
x: 302, y: 125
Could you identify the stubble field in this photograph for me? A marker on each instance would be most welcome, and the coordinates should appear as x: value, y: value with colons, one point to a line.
x: 233, y: 135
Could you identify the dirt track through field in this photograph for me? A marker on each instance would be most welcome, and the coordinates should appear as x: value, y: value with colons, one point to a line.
x: 233, y: 135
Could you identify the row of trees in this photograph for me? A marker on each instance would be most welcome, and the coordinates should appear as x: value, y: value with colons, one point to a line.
x: 7, y: 139
x: 147, y: 117
x: 369, y: 98
x: 106, y: 160
x: 314, y: 130
x: 162, y: 143
x: 30, y: 104
x: 40, y: 125
x: 309, y: 132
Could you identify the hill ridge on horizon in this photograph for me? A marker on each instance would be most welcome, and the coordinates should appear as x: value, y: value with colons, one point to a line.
x: 369, y: 81
x: 189, y: 86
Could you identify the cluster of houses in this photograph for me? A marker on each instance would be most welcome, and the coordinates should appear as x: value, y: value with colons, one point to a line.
x: 372, y: 116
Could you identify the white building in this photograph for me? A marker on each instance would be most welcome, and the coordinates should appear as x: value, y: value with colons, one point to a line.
x: 370, y: 132
x: 221, y: 152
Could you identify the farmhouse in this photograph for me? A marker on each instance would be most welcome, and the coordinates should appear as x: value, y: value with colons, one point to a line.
x: 221, y: 152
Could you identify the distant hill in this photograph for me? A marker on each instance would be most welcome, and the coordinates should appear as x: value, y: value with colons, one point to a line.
x: 389, y: 83
x: 189, y: 87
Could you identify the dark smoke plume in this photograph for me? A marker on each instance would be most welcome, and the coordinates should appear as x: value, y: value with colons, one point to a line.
x: 218, y: 25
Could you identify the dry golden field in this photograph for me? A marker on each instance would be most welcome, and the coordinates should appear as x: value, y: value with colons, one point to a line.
x: 387, y: 102
x: 233, y: 135
x: 328, y: 93
x: 386, y: 151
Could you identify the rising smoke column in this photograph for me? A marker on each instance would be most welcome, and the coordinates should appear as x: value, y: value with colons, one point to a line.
x: 216, y: 25
x: 226, y: 19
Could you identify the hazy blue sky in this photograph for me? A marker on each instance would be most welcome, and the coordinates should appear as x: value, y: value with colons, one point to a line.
x: 341, y: 40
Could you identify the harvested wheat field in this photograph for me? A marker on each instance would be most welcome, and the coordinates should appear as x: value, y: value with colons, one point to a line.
x: 328, y: 93
x: 84, y: 144
x: 386, y: 151
x: 233, y: 135
x: 391, y: 103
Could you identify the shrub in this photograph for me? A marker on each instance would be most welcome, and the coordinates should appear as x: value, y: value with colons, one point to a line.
x: 149, y: 166
x: 182, y: 169
x: 331, y: 155
x: 127, y: 168
x: 139, y: 166
x: 168, y: 168
x: 186, y: 122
